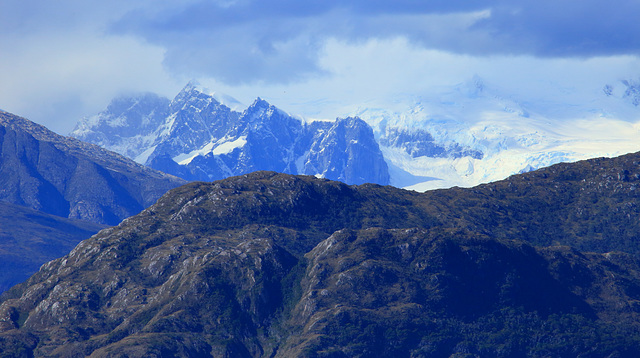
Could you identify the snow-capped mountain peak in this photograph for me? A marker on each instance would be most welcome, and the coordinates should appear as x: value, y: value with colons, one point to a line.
x: 462, y: 135
x: 476, y: 132
x: 200, y: 138
x: 194, y: 86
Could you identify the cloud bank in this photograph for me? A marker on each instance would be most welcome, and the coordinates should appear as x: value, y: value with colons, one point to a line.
x: 65, y: 59
x: 280, y: 40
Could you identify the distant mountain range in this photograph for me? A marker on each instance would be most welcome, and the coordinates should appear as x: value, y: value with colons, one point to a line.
x: 462, y: 135
x: 196, y: 137
x: 476, y: 132
x: 543, y: 264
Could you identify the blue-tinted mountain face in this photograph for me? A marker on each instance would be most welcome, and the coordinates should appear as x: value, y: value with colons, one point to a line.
x: 65, y: 177
x: 56, y: 191
x: 197, y: 137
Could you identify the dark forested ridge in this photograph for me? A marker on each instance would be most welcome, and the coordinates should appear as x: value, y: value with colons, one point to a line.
x: 541, y: 264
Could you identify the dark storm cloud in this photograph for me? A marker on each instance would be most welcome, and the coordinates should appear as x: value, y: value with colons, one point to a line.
x: 281, y: 40
x: 278, y: 40
x: 565, y: 28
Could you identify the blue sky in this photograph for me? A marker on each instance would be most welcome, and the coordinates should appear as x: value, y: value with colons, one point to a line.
x: 65, y: 59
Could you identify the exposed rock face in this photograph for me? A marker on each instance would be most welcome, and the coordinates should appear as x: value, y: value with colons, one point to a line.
x: 203, y: 139
x: 275, y: 265
x: 345, y: 150
x: 65, y: 177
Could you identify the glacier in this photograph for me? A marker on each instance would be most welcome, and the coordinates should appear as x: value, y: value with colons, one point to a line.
x: 478, y: 134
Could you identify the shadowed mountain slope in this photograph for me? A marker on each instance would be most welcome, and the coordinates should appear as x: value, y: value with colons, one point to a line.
x: 65, y: 177
x: 29, y: 238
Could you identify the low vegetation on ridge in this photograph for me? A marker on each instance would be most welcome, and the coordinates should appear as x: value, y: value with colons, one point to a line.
x: 266, y: 264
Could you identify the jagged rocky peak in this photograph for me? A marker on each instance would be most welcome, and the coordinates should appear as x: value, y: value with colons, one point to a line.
x: 261, y: 115
x: 201, y: 138
x: 260, y: 104
x: 193, y: 97
x: 194, y: 89
x: 261, y: 112
x: 345, y: 150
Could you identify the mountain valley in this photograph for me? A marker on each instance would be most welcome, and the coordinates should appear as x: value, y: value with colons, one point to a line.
x: 56, y: 191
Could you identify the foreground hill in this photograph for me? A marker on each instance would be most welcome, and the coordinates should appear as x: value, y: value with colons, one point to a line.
x: 266, y: 264
x: 65, y: 177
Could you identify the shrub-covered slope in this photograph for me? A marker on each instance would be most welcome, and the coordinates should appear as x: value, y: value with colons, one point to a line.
x: 275, y: 265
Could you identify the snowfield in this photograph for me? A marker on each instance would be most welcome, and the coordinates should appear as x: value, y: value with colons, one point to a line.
x: 513, y: 136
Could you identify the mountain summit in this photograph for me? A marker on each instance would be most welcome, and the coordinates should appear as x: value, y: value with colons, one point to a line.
x: 197, y: 137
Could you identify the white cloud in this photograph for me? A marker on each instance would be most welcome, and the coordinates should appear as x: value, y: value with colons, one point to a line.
x: 57, y: 79
x: 383, y: 72
x: 320, y: 59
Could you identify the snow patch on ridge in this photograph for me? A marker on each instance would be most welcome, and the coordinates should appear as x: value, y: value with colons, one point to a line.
x: 223, y: 146
x: 228, y: 147
x: 144, y: 156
